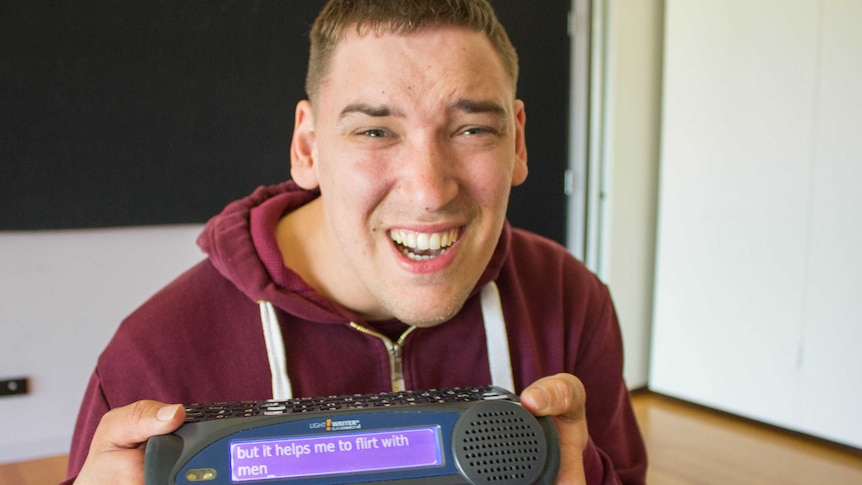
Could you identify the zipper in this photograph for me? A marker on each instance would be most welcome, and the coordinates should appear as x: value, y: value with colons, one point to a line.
x: 395, y: 352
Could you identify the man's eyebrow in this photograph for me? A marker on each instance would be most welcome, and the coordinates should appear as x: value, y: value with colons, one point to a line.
x: 366, y: 109
x: 465, y: 105
x: 479, y: 106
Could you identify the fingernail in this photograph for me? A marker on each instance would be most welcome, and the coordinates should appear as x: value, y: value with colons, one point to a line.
x: 544, y: 399
x: 539, y: 397
x: 166, y: 413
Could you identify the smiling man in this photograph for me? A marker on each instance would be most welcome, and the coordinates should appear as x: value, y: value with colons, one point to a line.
x: 386, y: 263
x: 415, y: 142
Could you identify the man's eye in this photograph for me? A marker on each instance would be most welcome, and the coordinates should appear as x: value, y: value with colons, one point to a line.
x: 373, y: 133
x: 477, y: 130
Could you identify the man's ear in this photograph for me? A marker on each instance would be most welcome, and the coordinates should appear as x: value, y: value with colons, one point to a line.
x: 519, y: 171
x: 303, y: 148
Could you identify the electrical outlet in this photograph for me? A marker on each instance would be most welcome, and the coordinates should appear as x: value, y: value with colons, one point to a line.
x: 14, y: 387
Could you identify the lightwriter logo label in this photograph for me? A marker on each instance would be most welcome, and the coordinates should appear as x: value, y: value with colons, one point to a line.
x: 330, y: 425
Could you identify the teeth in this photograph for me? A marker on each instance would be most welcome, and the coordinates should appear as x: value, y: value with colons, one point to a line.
x: 422, y: 242
x: 413, y: 242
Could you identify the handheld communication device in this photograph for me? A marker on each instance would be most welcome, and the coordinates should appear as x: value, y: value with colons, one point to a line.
x: 456, y: 435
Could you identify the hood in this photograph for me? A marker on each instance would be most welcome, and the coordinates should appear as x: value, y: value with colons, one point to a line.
x: 241, y: 246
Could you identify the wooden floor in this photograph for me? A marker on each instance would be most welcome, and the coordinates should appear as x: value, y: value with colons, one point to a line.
x: 686, y: 445
x: 691, y: 445
x: 35, y: 472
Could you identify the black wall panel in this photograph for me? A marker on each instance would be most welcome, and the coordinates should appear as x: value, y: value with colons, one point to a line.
x: 161, y: 112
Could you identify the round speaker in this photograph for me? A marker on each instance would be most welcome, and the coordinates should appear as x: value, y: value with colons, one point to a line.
x: 499, y: 442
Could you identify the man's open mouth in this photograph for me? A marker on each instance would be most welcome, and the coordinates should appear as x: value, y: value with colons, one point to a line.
x: 421, y: 246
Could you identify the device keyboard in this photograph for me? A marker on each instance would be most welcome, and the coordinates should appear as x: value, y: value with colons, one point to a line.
x: 243, y: 409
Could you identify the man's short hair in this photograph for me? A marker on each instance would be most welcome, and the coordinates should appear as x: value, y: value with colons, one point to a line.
x: 380, y: 17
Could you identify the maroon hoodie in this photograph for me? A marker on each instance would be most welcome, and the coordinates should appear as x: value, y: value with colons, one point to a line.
x: 200, y: 338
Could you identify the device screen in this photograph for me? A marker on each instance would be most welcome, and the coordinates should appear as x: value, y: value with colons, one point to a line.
x: 333, y: 454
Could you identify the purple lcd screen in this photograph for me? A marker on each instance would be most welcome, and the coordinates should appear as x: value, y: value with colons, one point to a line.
x: 335, y: 454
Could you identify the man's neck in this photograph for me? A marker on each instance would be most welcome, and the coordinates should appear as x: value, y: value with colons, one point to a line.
x: 298, y: 235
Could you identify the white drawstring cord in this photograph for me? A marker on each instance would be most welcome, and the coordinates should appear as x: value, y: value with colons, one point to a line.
x: 281, y: 389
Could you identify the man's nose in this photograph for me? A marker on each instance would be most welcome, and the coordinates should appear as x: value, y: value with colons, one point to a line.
x: 428, y: 177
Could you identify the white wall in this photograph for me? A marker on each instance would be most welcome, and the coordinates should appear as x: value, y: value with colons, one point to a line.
x: 615, y: 154
x: 632, y: 111
x: 757, y: 306
x: 62, y: 295
x: 828, y: 395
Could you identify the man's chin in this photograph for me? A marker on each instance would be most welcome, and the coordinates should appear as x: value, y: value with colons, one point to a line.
x: 424, y: 317
x: 427, y: 301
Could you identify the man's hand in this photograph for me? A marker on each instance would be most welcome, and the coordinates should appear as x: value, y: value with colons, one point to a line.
x: 117, y: 450
x: 562, y: 397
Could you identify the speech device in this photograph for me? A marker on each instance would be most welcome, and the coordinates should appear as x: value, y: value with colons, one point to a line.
x: 465, y: 435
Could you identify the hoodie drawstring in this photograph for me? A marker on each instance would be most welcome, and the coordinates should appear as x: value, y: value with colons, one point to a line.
x: 281, y: 389
x: 496, y: 338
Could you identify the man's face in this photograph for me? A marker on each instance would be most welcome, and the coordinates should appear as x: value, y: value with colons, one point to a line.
x: 415, y: 142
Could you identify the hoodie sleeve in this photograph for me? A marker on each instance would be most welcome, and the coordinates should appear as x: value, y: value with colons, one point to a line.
x: 615, y: 452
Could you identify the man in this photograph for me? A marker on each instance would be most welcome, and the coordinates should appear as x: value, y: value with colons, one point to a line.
x: 386, y: 263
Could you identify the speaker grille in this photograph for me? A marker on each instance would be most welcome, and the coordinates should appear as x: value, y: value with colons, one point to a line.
x: 499, y: 442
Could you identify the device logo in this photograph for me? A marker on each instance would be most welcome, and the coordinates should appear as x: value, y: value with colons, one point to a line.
x: 330, y: 425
